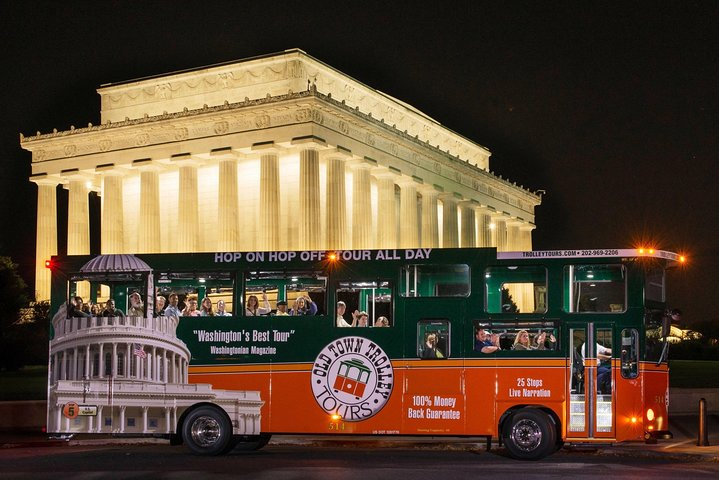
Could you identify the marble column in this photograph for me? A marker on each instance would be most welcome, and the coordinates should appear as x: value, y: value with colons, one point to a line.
x: 513, y: 240
x: 269, y: 234
x: 46, y: 235
x: 78, y: 225
x: 149, y: 232
x: 386, y: 211
x: 484, y: 227
x: 361, y: 207
x: 113, y: 233
x: 78, y: 219
x: 228, y: 237
x: 525, y: 235
x: 188, y: 217
x: 113, y: 362
x: 468, y: 233
x: 500, y: 232
x: 309, y: 199
x: 430, y: 218
x: 336, y: 202
x: 450, y: 226
x: 409, y: 214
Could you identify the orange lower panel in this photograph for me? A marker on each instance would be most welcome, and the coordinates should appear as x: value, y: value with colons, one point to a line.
x: 426, y: 398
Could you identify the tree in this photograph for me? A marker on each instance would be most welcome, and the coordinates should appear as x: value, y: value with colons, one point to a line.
x: 12, y: 299
x: 508, y: 305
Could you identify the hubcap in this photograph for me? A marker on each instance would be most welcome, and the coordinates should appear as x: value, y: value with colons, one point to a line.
x: 526, y: 434
x: 206, y: 431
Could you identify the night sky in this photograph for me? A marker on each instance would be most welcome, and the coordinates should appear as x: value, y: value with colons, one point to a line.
x: 612, y: 108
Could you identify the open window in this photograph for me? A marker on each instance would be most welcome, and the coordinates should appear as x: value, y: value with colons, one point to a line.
x: 435, y: 281
x: 192, y: 288
x: 303, y: 293
x: 595, y: 288
x: 516, y: 289
x: 373, y: 297
x: 433, y: 339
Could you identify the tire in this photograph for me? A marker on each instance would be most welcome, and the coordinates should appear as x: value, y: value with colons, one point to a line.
x: 207, y: 431
x: 249, y: 443
x: 529, y: 434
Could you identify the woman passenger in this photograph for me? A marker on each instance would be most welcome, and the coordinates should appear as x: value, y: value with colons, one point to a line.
x: 381, y: 322
x: 191, y: 309
x: 521, y: 341
x: 303, y: 306
x: 253, y: 306
x: 206, y: 309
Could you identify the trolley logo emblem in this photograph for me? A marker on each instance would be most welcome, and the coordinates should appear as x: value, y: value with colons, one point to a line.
x: 353, y: 378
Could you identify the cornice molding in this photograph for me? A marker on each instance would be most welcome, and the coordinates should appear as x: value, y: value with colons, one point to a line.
x: 286, y: 110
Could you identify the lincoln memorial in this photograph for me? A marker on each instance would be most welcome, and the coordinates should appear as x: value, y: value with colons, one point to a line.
x: 277, y: 152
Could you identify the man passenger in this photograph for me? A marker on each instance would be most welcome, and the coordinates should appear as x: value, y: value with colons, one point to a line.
x: 485, y: 342
x: 172, y: 310
x: 282, y: 309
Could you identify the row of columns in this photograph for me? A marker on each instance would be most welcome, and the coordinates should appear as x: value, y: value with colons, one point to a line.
x: 479, y: 226
x: 159, y: 365
x: 96, y: 426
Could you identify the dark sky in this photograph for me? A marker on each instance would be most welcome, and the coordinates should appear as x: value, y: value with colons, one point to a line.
x: 611, y: 107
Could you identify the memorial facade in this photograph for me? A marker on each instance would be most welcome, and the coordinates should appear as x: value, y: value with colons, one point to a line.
x: 279, y: 152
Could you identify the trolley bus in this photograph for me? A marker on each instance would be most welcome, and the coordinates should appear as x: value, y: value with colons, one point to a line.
x: 535, y: 349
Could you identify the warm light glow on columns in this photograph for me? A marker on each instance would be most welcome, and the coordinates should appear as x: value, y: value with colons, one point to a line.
x: 78, y: 220
x: 46, y: 245
x: 513, y: 240
x: 468, y: 237
x: 78, y: 225
x: 409, y: 215
x: 112, y: 238
x: 430, y: 219
x: 149, y: 232
x: 484, y: 227
x: 386, y: 211
x: 188, y: 220
x: 500, y: 232
x: 336, y: 201
x: 269, y: 234
x: 227, y: 204
x: 309, y: 199
x: 450, y: 226
x: 361, y: 207
x: 525, y: 235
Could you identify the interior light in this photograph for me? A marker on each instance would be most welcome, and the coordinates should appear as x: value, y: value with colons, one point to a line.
x: 202, y: 280
x: 492, y: 226
x: 590, y: 275
x: 88, y: 184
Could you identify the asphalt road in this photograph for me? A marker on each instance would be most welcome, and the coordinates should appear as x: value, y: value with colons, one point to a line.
x: 348, y: 463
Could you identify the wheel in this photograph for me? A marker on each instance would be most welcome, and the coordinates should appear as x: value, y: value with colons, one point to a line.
x: 248, y: 443
x: 529, y: 434
x: 207, y: 431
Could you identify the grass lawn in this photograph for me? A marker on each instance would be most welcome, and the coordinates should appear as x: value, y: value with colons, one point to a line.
x: 693, y: 374
x: 28, y: 383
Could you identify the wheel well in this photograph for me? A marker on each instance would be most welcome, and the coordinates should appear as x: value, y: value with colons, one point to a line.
x: 550, y: 413
x: 176, y: 438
